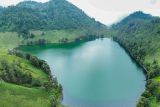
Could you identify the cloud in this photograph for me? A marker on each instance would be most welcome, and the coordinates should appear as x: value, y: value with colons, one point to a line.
x: 153, y: 1
x: 123, y: 5
x: 108, y: 11
x: 111, y: 11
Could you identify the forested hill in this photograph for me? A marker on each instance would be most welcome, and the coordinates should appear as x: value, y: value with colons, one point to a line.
x: 55, y: 14
x: 139, y: 34
x: 1, y: 9
x: 135, y: 18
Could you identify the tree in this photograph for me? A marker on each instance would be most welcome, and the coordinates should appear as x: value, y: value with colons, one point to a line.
x: 36, y: 83
x: 43, y: 34
x: 32, y: 35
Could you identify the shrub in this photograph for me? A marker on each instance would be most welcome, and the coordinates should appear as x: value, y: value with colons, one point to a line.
x: 36, y: 83
x: 13, y: 73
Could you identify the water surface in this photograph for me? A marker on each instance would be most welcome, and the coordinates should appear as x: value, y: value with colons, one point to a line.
x: 98, y: 73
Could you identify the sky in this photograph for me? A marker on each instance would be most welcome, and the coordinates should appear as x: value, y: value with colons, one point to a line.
x: 108, y: 11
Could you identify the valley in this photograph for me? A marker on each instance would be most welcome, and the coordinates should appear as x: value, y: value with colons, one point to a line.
x: 59, y: 31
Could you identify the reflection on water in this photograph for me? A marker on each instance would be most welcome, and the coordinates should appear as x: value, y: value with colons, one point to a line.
x: 94, y: 74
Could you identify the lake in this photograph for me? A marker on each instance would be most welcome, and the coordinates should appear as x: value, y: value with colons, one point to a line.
x: 97, y: 73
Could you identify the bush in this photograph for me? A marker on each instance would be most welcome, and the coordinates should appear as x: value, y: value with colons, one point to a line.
x: 27, y: 78
x: 13, y: 73
x: 146, y: 94
x: 48, y: 85
x: 32, y: 35
x: 155, y: 73
x: 36, y: 83
x: 144, y: 102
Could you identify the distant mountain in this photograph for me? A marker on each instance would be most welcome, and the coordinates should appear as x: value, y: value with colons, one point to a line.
x: 30, y: 4
x: 1, y: 9
x: 55, y: 14
x: 135, y: 17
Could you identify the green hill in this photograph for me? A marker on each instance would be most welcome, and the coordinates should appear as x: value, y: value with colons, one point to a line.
x: 58, y: 19
x: 139, y: 34
x: 24, y: 79
x: 24, y: 82
x: 52, y: 15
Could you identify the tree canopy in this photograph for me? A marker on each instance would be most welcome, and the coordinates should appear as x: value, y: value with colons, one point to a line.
x: 54, y: 14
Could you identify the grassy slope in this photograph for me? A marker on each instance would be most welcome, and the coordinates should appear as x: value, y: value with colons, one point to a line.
x: 26, y: 66
x: 19, y: 96
x: 9, y: 40
x: 55, y: 35
x: 16, y: 95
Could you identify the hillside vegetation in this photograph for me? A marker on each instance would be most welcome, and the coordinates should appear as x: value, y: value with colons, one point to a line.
x: 9, y: 40
x: 56, y: 21
x: 52, y: 15
x: 24, y: 83
x: 139, y: 34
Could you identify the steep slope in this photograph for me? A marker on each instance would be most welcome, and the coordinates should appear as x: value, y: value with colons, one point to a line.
x: 56, y: 21
x: 24, y: 79
x: 139, y: 34
x: 1, y: 9
x: 134, y: 17
x: 55, y: 14
x: 24, y: 83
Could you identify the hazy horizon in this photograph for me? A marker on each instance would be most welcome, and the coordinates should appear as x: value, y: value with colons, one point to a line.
x: 107, y: 11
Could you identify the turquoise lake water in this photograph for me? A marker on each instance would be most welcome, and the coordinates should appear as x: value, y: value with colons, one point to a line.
x: 98, y: 73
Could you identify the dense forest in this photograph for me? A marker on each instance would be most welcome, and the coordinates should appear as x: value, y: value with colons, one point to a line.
x: 139, y: 34
x: 26, y: 80
x: 58, y: 21
x: 55, y: 14
x: 38, y: 23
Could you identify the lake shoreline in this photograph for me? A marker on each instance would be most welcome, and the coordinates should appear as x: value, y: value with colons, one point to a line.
x: 18, y: 53
x: 131, y: 55
x: 103, y: 45
x: 145, y: 71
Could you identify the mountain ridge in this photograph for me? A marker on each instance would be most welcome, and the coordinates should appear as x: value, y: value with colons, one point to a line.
x: 54, y: 14
x: 133, y: 17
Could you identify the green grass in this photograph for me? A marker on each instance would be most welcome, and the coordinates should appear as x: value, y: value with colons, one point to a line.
x: 153, y: 102
x: 13, y: 95
x: 19, y: 96
x: 26, y: 66
x: 55, y: 35
x: 9, y: 40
